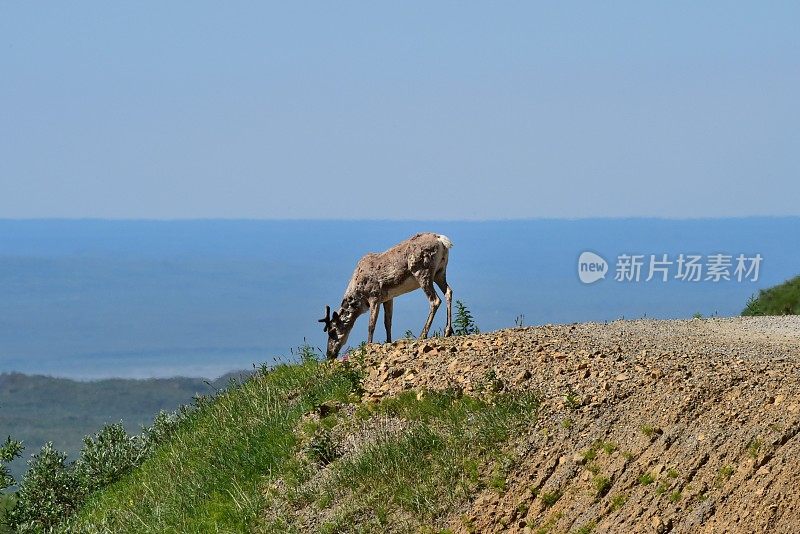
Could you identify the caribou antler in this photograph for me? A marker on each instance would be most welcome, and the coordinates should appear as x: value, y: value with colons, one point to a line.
x: 330, y: 322
x: 326, y: 319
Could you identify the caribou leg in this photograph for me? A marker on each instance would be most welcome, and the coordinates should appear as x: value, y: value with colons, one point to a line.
x: 441, y: 281
x: 388, y: 306
x: 374, y: 308
x: 425, y: 281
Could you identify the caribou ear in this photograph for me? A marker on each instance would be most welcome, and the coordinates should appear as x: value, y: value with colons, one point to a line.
x: 335, y: 317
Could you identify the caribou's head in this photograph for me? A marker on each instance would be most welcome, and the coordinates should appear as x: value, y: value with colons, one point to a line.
x: 337, y: 328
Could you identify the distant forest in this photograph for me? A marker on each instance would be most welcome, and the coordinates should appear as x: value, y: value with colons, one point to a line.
x: 37, y: 409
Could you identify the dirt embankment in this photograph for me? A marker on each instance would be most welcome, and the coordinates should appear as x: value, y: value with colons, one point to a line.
x: 645, y: 426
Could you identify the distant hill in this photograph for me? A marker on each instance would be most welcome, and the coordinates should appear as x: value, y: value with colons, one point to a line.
x: 783, y: 299
x: 91, y: 299
x: 36, y: 409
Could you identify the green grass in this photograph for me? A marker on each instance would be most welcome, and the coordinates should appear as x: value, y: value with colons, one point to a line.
x: 648, y: 430
x: 672, y: 473
x: 448, y: 448
x: 548, y: 525
x: 550, y: 498
x: 591, y: 453
x: 783, y: 299
x: 609, y: 447
x: 587, y: 528
x: 572, y: 400
x: 265, y: 457
x: 600, y: 485
x: 723, y: 474
x: 646, y: 479
x: 208, y: 476
x: 753, y: 448
x: 617, y: 501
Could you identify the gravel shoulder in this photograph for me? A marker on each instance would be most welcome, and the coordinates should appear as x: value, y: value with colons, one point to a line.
x: 644, y: 426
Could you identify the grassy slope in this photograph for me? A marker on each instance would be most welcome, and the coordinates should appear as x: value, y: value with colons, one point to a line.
x: 208, y: 477
x: 783, y: 299
x: 37, y: 409
x: 270, y: 456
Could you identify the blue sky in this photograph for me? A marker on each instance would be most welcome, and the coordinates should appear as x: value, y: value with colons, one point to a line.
x: 404, y: 111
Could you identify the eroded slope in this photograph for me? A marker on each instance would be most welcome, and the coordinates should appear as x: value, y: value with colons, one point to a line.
x: 681, y: 426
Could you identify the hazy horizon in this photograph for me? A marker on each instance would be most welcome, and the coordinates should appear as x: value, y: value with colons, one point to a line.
x: 100, y: 298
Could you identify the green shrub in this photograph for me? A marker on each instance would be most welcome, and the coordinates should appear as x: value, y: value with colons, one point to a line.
x: 164, y: 425
x: 8, y: 451
x: 107, y: 456
x: 783, y: 299
x: 49, y: 492
x: 464, y: 323
x: 322, y: 448
x: 7, y: 502
x: 52, y: 489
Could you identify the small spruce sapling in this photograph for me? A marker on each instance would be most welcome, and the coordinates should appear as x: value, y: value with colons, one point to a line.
x: 464, y: 323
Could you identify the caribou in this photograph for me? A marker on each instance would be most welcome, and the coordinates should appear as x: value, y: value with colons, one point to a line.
x: 418, y: 262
